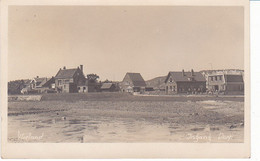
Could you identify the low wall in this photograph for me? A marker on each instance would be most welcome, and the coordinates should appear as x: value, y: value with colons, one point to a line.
x: 25, y: 98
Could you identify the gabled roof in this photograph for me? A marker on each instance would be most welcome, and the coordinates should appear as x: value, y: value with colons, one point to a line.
x: 179, y: 77
x: 233, y: 78
x: 40, y: 81
x: 136, y: 79
x: 106, y: 85
x: 66, y: 73
x: 48, y: 82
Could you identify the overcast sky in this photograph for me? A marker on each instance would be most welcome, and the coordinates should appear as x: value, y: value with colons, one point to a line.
x: 111, y: 41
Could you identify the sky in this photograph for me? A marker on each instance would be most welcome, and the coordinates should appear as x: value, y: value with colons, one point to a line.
x: 113, y: 40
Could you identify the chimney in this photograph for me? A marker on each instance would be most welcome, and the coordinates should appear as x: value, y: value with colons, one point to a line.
x: 192, y: 72
x: 37, y: 76
x: 81, y: 68
x: 183, y: 74
x: 64, y: 67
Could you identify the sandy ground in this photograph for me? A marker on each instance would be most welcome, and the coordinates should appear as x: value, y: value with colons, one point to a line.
x: 126, y: 120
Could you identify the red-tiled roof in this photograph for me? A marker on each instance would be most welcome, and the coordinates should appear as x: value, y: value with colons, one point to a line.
x: 66, y: 73
x: 179, y: 77
x: 137, y: 79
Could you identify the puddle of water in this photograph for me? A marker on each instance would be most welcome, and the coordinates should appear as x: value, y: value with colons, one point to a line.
x: 155, y: 126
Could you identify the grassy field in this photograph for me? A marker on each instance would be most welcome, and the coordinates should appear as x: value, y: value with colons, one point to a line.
x: 117, y: 117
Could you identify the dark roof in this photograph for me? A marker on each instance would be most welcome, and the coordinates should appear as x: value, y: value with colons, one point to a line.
x: 233, y: 78
x: 106, y: 85
x: 40, y: 81
x: 137, y: 79
x: 179, y: 77
x: 66, y: 73
x: 48, y: 82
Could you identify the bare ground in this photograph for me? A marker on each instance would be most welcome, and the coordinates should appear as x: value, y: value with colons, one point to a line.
x: 126, y: 118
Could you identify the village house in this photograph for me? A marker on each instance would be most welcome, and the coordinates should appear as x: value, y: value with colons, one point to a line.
x: 28, y: 86
x: 108, y: 87
x: 185, y: 82
x: 226, y: 83
x: 21, y: 86
x: 133, y: 82
x: 71, y: 80
x: 207, y: 73
x: 45, y: 85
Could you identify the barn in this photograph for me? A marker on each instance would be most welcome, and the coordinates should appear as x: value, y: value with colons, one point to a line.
x: 133, y: 82
x: 108, y: 87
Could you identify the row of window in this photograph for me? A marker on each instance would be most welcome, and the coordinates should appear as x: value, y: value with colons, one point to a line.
x: 66, y: 81
x: 174, y: 89
x: 216, y: 78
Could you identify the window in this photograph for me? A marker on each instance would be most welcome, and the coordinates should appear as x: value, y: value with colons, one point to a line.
x: 220, y: 77
x: 170, y: 88
x: 170, y: 79
x: 216, y: 78
x: 59, y: 82
x: 173, y: 88
x: 211, y: 78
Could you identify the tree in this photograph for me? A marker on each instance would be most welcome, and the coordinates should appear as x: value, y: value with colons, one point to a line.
x: 92, y: 78
x: 107, y: 81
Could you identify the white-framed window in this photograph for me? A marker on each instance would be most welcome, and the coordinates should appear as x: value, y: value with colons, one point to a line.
x: 59, y: 82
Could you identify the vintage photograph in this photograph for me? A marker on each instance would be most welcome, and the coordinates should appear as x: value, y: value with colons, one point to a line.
x: 126, y: 74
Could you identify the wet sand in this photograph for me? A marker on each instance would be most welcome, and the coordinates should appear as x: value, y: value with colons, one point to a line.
x: 126, y: 121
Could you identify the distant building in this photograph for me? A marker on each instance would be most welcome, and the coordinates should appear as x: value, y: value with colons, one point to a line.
x: 29, y: 86
x: 185, y: 82
x: 50, y: 83
x: 207, y: 73
x: 39, y: 81
x: 44, y: 85
x: 21, y: 86
x: 71, y: 80
x: 227, y: 83
x: 133, y: 82
x: 108, y: 87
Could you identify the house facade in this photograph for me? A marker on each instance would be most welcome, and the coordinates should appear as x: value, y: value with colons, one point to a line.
x: 185, y: 82
x: 71, y: 80
x: 226, y: 83
x: 29, y: 86
x: 133, y: 82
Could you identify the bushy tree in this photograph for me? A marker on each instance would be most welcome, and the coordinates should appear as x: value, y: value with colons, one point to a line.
x: 92, y: 78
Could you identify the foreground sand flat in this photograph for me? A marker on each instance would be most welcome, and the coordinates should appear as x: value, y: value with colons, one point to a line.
x: 117, y: 118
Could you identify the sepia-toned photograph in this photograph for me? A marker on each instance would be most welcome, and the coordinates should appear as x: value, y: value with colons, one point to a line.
x: 126, y: 74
